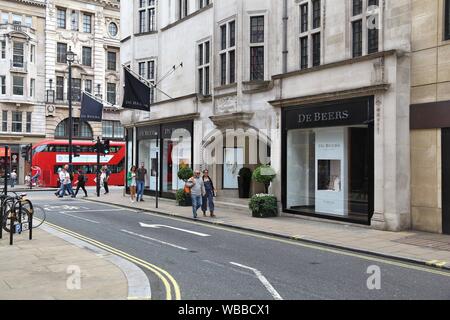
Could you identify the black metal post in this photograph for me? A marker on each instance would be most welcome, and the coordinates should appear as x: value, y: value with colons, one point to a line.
x: 11, y: 226
x: 157, y: 182
x: 5, y: 188
x: 30, y: 222
x: 70, y: 119
x: 98, y: 166
x: 31, y: 168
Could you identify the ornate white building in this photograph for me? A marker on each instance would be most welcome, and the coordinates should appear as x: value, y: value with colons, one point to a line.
x: 91, y: 29
x: 319, y: 89
x: 22, y: 78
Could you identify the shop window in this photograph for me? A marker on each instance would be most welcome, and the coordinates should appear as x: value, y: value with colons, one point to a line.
x: 328, y: 171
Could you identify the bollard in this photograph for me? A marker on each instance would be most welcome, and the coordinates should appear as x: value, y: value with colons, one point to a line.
x: 11, y: 231
x: 30, y: 222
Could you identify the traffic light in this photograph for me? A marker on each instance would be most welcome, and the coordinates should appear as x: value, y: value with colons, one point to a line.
x: 26, y: 152
x: 106, y: 147
x: 76, y: 151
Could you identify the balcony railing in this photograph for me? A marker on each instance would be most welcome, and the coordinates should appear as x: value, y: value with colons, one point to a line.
x: 18, y: 66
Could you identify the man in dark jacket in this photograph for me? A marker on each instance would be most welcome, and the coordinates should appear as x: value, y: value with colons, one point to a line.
x: 82, y: 179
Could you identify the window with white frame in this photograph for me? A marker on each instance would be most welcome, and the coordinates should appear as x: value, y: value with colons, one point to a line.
x: 4, y: 120
x: 61, y: 52
x: 18, y: 54
x: 28, y: 127
x: 203, y: 68
x: 18, y: 84
x: 183, y: 8
x: 87, y: 23
x: 147, y: 70
x: 111, y: 93
x: 5, y: 18
x: 147, y: 15
x: 227, y: 53
x: 88, y: 85
x: 29, y: 21
x: 2, y: 84
x: 203, y: 3
x: 87, y: 56
x: 364, y: 24
x: 16, y: 121
x: 74, y: 20
x: 60, y: 88
x: 112, y: 129
x: 32, y: 87
x: 257, y: 48
x: 32, y: 52
x: 17, y: 19
x: 310, y: 13
x: 112, y: 60
x: 3, y: 49
x: 61, y: 18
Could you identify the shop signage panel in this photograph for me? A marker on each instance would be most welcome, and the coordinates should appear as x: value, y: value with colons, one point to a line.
x: 330, y: 115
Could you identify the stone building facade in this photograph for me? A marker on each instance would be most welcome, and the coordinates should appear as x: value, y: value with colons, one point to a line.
x: 91, y: 29
x: 430, y: 99
x: 22, y: 78
x: 320, y: 90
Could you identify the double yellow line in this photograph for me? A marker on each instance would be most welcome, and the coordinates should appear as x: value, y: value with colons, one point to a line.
x: 163, y: 275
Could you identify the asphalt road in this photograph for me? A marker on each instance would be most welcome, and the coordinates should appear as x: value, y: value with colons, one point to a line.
x: 215, y: 263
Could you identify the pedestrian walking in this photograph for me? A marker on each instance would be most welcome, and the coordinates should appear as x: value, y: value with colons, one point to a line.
x: 208, y: 198
x: 197, y: 187
x: 13, y: 177
x: 106, y: 178
x: 81, y: 183
x: 131, y: 178
x: 140, y: 182
x: 61, y: 177
x: 67, y: 183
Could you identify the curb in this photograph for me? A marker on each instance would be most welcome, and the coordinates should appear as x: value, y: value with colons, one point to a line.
x: 432, y: 264
x: 138, y: 283
x: 32, y: 190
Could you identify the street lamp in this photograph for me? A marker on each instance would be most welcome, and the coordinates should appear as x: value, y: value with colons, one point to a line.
x: 70, y: 58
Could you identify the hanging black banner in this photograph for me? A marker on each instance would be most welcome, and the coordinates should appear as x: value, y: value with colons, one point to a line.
x: 136, y: 93
x: 91, y: 109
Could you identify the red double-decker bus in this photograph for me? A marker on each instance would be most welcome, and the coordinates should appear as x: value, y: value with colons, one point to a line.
x: 51, y: 155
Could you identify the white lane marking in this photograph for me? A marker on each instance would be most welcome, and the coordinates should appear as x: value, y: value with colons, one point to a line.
x: 263, y: 279
x: 157, y: 226
x: 155, y: 240
x: 70, y: 215
x: 95, y: 210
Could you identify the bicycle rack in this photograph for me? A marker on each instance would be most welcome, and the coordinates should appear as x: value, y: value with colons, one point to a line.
x: 13, y: 226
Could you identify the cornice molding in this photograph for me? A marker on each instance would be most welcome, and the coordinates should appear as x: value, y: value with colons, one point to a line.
x: 31, y: 2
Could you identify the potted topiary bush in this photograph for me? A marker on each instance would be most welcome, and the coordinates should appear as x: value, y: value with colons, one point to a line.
x: 264, y: 174
x: 263, y: 206
x: 244, y: 180
x: 183, y: 198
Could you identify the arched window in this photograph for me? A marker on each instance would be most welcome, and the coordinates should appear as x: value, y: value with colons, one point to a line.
x: 81, y: 129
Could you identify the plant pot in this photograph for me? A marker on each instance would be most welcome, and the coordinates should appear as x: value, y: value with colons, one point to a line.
x: 244, y: 188
x: 264, y: 214
x: 187, y: 202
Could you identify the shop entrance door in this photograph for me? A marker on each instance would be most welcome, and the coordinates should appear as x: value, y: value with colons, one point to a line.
x: 446, y: 180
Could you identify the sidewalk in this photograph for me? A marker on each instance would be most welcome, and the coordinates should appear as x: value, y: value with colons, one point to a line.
x: 412, y: 246
x: 44, y: 267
